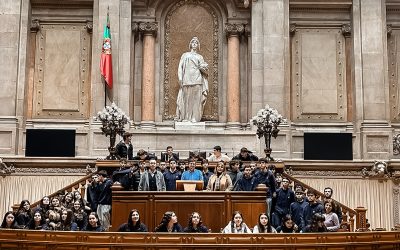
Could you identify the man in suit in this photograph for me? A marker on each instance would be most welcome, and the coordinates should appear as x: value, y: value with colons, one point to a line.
x: 152, y: 179
x: 166, y: 157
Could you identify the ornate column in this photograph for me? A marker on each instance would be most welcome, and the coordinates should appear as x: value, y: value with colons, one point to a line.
x: 233, y: 32
x: 149, y: 32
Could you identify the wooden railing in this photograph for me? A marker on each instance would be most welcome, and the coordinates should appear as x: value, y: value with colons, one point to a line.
x: 25, y: 239
x: 348, y: 214
x: 79, y: 185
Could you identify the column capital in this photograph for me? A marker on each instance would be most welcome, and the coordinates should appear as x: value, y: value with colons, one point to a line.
x: 147, y: 28
x: 234, y: 29
x: 35, y: 25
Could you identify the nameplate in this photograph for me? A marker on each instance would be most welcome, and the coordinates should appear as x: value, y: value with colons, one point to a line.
x: 190, y: 125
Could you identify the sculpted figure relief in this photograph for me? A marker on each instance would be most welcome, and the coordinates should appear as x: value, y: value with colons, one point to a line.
x: 192, y: 76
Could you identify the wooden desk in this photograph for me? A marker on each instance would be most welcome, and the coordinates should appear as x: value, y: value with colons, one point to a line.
x: 216, y: 208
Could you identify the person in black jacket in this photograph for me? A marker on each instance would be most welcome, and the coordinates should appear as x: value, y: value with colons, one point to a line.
x: 94, y: 224
x: 130, y: 178
x: 133, y: 224
x: 195, y: 224
x: 9, y: 221
x: 124, y: 148
x: 245, y: 155
x: 24, y: 214
x: 248, y: 182
x: 103, y: 192
x: 167, y: 156
x: 169, y: 223
x: 284, y: 198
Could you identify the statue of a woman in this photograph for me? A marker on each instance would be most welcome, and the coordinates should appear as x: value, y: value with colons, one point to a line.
x: 192, y: 76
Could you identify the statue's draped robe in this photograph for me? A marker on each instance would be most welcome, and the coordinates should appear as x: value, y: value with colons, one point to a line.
x: 193, y: 91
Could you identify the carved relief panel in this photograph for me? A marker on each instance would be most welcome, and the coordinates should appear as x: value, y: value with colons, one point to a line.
x: 184, y: 20
x: 318, y: 74
x: 62, y: 71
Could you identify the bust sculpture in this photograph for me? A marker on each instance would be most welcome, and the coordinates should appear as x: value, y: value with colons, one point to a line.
x: 193, y: 91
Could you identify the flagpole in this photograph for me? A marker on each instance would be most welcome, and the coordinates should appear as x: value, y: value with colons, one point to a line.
x: 105, y: 94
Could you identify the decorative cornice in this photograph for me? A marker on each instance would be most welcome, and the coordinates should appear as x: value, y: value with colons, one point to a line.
x: 89, y: 27
x: 6, y: 170
x: 234, y: 29
x: 317, y: 173
x: 346, y: 30
x: 148, y: 28
x: 50, y: 170
x: 35, y: 25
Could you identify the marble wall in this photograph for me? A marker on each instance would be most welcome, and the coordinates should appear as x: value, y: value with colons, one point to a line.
x: 327, y: 67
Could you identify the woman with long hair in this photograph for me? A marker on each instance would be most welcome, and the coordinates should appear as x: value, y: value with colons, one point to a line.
x: 9, y: 221
x: 78, y: 197
x: 195, y: 224
x: 80, y: 216
x: 133, y: 224
x: 317, y: 224
x: 236, y: 225
x: 331, y: 219
x: 24, y: 214
x: 38, y: 222
x: 220, y: 180
x: 67, y: 223
x: 263, y: 225
x: 68, y: 200
x: 94, y: 224
x: 169, y: 223
x: 288, y: 225
x: 44, y: 205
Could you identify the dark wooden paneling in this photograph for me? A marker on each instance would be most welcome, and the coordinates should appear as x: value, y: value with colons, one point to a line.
x: 216, y: 208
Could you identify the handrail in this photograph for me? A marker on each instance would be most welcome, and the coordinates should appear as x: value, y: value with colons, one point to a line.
x: 81, y: 181
x: 345, y: 209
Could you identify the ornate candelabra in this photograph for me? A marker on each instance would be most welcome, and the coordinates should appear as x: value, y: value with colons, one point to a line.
x: 113, y: 120
x: 267, y: 121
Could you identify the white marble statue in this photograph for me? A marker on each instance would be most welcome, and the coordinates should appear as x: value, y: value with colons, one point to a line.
x: 192, y: 76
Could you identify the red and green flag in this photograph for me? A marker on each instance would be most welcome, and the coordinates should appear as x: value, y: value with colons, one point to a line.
x: 106, y: 60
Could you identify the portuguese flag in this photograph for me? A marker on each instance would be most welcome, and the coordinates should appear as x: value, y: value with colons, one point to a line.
x: 106, y: 61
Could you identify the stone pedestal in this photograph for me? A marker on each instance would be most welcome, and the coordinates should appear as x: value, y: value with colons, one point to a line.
x: 190, y: 125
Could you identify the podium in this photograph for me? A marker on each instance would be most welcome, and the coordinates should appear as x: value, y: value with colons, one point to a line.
x: 189, y: 186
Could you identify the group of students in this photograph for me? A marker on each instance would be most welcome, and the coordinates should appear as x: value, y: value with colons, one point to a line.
x: 69, y: 213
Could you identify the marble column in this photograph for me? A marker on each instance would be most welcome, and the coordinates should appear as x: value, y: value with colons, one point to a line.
x: 233, y: 32
x: 149, y: 32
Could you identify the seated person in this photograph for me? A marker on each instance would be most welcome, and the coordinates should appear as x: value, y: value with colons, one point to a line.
x: 192, y: 174
x: 263, y: 225
x: 9, y: 221
x: 195, y: 224
x: 94, y: 224
x: 220, y: 181
x: 217, y: 155
x: 80, y: 216
x: 133, y: 224
x: 317, y: 224
x: 24, y: 214
x: 248, y: 182
x: 169, y: 223
x: 165, y: 157
x: 206, y: 173
x: 38, y: 222
x: 236, y: 225
x: 142, y: 155
x: 245, y: 155
x: 288, y: 225
x: 67, y: 223
x: 124, y: 148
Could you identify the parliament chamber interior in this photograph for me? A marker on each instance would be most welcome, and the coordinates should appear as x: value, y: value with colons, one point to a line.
x: 200, y: 124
